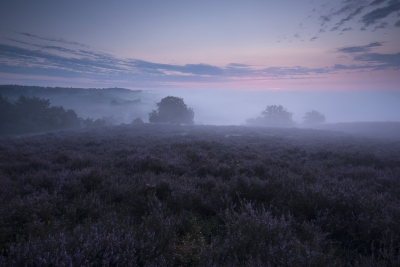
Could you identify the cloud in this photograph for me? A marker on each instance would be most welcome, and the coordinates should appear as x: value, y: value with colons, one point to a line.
x: 386, y: 60
x: 377, y: 2
x: 24, y: 58
x: 381, y: 13
x: 347, y: 29
x: 366, y: 12
x: 196, y: 69
x: 382, y: 25
x: 324, y: 19
x: 236, y: 70
x: 359, y: 49
x: 350, y: 9
x: 339, y: 67
x: 59, y: 61
x: 238, y: 65
x: 59, y: 40
x: 293, y: 71
x: 49, y: 50
x: 351, y: 15
x: 314, y: 38
x: 48, y: 60
x: 20, y: 60
x: 397, y: 24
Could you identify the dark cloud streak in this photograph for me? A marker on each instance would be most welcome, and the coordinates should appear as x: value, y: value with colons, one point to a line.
x: 382, y: 25
x: 371, y: 13
x: 347, y: 29
x: 377, y: 2
x: 352, y: 15
x: 59, y: 40
x: 380, y: 13
x: 359, y: 49
x: 387, y: 60
x: 58, y: 61
x: 15, y: 53
x: 197, y: 69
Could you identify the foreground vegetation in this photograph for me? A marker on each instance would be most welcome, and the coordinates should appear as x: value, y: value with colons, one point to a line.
x: 168, y: 195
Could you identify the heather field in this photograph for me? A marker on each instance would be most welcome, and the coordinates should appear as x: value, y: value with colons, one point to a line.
x: 170, y: 195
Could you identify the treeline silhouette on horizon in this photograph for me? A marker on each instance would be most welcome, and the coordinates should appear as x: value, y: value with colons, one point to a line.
x: 29, y: 113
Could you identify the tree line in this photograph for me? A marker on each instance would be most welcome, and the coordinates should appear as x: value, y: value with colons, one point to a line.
x: 278, y: 116
x: 34, y: 114
x: 173, y: 110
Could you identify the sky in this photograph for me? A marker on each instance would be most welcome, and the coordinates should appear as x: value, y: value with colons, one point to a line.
x: 246, y: 46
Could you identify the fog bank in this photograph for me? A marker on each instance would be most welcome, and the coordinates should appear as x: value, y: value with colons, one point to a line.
x: 230, y: 107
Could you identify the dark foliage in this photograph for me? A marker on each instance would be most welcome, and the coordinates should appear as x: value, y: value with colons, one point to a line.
x: 137, y: 121
x: 28, y: 115
x: 273, y: 116
x: 167, y: 195
x: 7, y: 112
x: 313, y: 117
x: 172, y: 109
x: 90, y: 122
x: 90, y: 102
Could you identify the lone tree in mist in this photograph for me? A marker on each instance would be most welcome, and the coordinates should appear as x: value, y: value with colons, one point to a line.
x: 172, y: 109
x: 275, y: 116
x: 313, y: 117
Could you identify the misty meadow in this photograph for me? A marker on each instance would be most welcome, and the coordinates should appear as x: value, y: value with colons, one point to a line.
x: 92, y: 192
x: 200, y: 133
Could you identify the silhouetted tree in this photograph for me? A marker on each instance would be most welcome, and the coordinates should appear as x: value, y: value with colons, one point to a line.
x: 7, y: 111
x: 7, y: 115
x: 32, y: 110
x: 89, y: 122
x: 34, y: 114
x: 313, y: 117
x: 137, y: 121
x: 275, y: 116
x: 172, y: 109
x: 109, y: 120
x: 63, y: 119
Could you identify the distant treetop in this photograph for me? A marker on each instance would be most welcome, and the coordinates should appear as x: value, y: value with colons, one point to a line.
x: 273, y: 116
x: 172, y: 109
x: 313, y: 117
